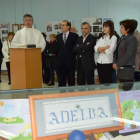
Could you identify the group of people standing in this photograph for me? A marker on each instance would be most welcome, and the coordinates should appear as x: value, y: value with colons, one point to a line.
x: 67, y: 52
x: 114, y: 54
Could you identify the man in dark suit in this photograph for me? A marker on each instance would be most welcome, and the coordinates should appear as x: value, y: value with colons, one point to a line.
x: 1, y: 57
x: 84, y: 48
x: 66, y: 57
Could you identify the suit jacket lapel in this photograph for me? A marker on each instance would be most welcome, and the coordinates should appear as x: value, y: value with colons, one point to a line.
x: 62, y: 38
x: 86, y: 39
x: 68, y: 37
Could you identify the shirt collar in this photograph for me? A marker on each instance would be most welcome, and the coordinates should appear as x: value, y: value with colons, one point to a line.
x: 126, y: 34
x: 86, y: 36
x: 107, y: 35
x: 29, y: 28
x: 67, y: 33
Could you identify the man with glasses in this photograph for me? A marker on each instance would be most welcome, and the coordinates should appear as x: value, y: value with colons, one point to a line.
x: 66, y: 57
x: 84, y: 48
x: 28, y: 35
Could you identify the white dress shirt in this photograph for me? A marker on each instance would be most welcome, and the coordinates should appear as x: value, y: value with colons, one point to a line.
x: 106, y: 41
x: 5, y: 50
x: 29, y: 36
x: 84, y: 38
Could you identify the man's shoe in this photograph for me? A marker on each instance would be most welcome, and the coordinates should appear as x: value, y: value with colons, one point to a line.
x: 9, y: 83
x: 50, y: 84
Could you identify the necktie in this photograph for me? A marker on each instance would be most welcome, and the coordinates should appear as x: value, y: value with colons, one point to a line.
x: 64, y: 38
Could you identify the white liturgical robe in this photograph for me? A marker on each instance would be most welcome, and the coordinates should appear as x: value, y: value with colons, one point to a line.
x: 28, y: 36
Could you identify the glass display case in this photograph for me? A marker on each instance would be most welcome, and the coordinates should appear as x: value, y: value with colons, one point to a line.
x: 15, y: 109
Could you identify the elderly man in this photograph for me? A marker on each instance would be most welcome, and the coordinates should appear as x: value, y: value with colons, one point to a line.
x: 28, y: 35
x: 73, y: 29
x: 84, y: 48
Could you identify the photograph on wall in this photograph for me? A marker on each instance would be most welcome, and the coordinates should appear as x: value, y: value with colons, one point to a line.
x: 59, y: 25
x: 97, y: 29
x: 15, y: 28
x: 22, y: 26
x: 49, y: 27
x: 4, y: 31
x: 4, y: 26
x: 97, y: 21
x: 130, y: 108
x: 56, y: 26
x: 105, y: 19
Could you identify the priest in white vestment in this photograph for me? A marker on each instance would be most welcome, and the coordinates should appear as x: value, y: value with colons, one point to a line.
x: 28, y: 35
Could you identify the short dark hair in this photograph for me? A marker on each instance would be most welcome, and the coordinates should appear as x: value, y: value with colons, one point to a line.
x: 128, y: 24
x: 54, y: 35
x: 110, y: 24
x: 85, y: 23
x: 44, y: 35
x: 135, y: 22
x: 67, y: 23
x: 10, y: 33
x: 27, y: 15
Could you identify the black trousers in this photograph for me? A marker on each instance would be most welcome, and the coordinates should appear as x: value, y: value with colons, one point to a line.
x: 0, y: 67
x: 52, y: 69
x: 8, y: 69
x: 45, y: 74
x: 65, y: 72
x: 105, y: 73
x: 84, y: 75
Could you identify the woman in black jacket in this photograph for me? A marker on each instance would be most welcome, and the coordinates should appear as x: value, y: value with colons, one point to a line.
x: 45, y: 71
x: 50, y: 54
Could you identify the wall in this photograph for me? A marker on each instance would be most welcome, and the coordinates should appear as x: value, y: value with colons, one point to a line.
x: 12, y: 11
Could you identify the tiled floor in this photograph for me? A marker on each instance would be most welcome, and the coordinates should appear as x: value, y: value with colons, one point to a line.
x: 4, y: 84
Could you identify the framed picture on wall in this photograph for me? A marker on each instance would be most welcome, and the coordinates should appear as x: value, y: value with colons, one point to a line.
x: 15, y: 28
x: 22, y: 26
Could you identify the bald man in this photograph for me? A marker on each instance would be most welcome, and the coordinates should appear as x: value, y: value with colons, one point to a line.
x: 73, y: 29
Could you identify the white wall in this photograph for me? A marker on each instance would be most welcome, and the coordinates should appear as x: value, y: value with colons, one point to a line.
x: 44, y: 10
x: 12, y: 11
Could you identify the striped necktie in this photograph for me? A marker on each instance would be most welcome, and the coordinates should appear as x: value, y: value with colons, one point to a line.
x: 64, y: 39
